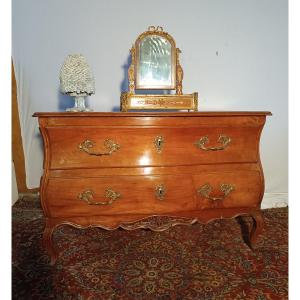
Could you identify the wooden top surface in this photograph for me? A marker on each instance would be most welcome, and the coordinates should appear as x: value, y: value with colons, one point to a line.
x: 153, y: 114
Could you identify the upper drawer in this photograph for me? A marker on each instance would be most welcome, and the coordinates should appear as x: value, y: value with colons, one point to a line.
x: 94, y: 147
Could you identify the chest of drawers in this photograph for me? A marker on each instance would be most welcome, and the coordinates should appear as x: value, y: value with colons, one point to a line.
x: 118, y: 169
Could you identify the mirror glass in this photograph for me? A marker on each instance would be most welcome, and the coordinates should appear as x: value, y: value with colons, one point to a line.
x: 154, y: 66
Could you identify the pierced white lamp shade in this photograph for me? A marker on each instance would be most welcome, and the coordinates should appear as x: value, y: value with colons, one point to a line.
x: 76, y: 79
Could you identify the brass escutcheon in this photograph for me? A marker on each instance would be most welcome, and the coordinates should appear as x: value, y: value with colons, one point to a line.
x: 160, y: 192
x: 158, y: 143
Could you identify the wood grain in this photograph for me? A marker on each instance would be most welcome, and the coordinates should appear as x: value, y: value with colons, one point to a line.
x: 137, y: 168
x: 138, y: 195
x: 137, y: 147
x: 17, y: 143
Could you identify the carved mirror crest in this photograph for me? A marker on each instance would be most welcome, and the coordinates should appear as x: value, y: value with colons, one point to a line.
x: 155, y: 66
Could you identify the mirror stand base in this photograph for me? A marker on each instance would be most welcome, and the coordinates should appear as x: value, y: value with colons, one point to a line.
x: 130, y: 101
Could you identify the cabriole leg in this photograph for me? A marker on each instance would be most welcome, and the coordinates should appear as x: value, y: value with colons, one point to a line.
x: 48, y: 241
x: 258, y: 224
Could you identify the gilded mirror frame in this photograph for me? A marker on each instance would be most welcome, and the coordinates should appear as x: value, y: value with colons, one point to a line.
x: 176, y: 69
x: 155, y: 32
x: 166, y: 101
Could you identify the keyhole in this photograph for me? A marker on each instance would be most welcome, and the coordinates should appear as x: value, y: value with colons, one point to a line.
x: 160, y: 192
x: 159, y: 141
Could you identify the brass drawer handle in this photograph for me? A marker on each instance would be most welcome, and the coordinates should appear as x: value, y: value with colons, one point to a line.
x: 88, y: 196
x: 206, y: 189
x: 160, y: 192
x: 158, y: 143
x: 110, y: 145
x: 223, y: 140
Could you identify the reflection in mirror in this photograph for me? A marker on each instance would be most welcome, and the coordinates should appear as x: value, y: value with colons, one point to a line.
x: 155, y: 63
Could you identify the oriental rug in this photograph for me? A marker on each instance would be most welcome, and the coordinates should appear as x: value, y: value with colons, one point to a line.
x: 209, y: 261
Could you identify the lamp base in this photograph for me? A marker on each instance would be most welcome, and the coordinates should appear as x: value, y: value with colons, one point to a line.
x: 79, y: 105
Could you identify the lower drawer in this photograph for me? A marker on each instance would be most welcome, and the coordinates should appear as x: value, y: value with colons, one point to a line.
x: 228, y: 189
x: 119, y: 195
x: 153, y: 194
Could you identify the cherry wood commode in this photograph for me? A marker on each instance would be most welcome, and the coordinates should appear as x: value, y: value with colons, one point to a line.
x: 115, y: 170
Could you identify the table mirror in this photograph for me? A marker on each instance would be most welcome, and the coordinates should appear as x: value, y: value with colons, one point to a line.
x: 155, y: 66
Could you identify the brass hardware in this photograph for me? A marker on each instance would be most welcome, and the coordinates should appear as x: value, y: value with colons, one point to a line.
x: 159, y: 142
x: 223, y: 140
x: 110, y: 145
x: 88, y: 196
x: 206, y: 189
x: 160, y: 192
